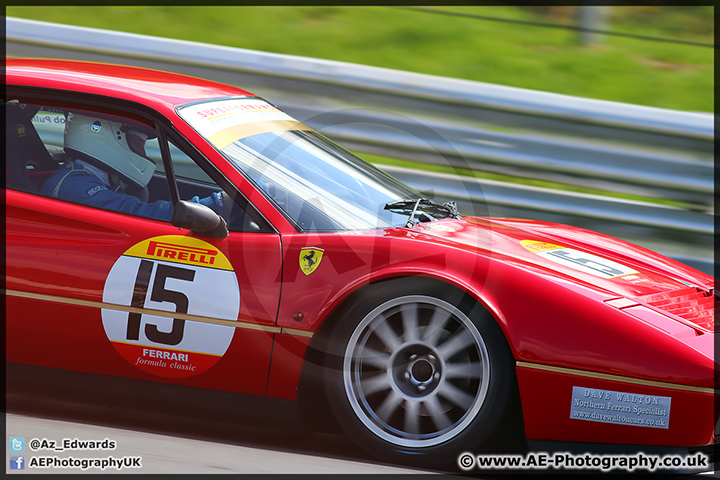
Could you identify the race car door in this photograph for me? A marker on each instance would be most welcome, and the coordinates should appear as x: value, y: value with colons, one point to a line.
x: 104, y: 288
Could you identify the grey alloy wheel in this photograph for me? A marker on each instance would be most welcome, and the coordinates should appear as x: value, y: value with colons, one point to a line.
x: 416, y: 371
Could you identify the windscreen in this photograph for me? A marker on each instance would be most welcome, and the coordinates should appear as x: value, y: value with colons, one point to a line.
x: 318, y: 184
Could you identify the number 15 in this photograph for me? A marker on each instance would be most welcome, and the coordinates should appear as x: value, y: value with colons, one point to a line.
x: 159, y: 294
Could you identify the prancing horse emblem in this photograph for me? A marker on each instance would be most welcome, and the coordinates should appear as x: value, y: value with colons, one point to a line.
x: 310, y: 259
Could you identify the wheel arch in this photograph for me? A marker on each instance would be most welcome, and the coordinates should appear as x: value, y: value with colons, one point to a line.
x: 312, y: 402
x: 350, y: 292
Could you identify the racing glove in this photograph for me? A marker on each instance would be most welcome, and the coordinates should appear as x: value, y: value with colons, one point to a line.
x: 219, y: 202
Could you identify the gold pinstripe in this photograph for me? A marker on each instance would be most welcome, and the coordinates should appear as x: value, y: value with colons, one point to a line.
x: 615, y: 378
x: 160, y: 313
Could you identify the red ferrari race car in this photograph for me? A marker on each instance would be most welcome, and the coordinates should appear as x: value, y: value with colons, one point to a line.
x: 164, y: 228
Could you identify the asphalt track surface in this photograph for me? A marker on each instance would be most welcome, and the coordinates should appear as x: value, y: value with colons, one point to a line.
x: 178, y: 451
x: 173, y: 440
x: 167, y: 453
x: 174, y: 445
x: 206, y: 449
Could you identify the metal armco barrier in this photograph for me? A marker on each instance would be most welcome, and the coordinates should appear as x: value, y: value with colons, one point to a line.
x: 617, y: 147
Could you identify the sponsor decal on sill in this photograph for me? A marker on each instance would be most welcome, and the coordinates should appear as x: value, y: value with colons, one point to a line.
x: 620, y: 408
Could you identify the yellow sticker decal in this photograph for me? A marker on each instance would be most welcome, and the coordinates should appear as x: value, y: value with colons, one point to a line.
x: 177, y: 274
x: 578, y: 260
x: 179, y: 249
x: 228, y: 120
x: 310, y: 258
x: 225, y: 137
x: 536, y: 246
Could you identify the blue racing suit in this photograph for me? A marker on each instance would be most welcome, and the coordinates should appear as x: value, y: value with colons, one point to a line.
x: 77, y: 183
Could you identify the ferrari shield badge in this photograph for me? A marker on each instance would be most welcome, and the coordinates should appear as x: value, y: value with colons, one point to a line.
x: 310, y: 258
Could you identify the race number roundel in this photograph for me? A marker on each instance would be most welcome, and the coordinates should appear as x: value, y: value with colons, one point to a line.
x: 177, y: 274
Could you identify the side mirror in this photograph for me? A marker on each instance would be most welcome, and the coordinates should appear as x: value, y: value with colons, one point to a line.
x: 199, y: 219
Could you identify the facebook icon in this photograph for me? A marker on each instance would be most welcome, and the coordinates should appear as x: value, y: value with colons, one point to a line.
x: 17, y: 462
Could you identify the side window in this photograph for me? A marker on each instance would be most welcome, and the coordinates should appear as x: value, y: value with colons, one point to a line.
x: 85, y: 156
x: 33, y: 144
x: 110, y: 162
x: 196, y: 185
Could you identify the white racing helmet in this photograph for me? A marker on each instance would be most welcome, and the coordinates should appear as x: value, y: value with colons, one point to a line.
x: 106, y: 142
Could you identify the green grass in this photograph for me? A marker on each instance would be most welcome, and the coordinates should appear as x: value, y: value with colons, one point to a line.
x: 619, y: 69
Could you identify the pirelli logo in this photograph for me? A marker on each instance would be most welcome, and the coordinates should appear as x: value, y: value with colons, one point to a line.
x: 170, y: 251
x: 179, y: 249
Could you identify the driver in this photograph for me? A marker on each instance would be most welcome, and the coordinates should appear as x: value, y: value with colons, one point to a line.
x: 107, y: 167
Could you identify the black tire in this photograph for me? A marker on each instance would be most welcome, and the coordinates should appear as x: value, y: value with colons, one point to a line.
x: 419, y: 372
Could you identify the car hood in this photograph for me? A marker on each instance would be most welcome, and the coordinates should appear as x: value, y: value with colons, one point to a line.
x: 619, y: 268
